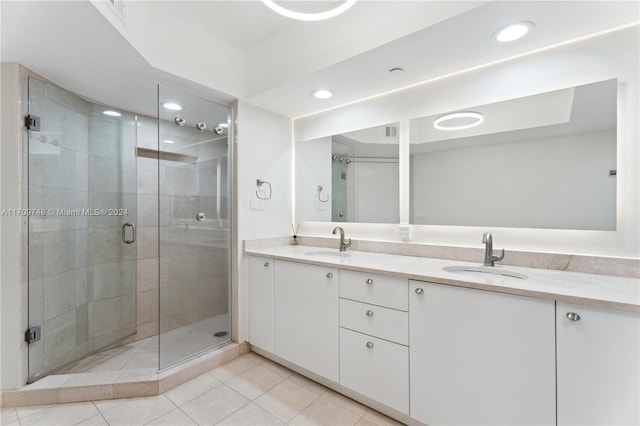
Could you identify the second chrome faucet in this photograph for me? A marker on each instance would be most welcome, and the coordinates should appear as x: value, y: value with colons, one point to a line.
x: 489, y: 256
x: 343, y: 243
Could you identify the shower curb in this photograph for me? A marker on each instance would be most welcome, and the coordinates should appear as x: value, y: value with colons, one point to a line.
x: 132, y: 384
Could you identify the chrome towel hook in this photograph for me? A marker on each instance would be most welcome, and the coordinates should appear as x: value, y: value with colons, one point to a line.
x: 259, y: 183
x: 319, y: 197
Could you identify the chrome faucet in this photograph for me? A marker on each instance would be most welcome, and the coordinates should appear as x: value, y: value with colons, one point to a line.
x: 489, y: 257
x: 343, y: 243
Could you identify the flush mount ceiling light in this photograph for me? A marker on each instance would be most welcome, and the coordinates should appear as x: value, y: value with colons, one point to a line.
x: 514, y: 31
x: 458, y: 120
x: 112, y: 113
x: 309, y: 16
x: 172, y: 106
x: 322, y: 94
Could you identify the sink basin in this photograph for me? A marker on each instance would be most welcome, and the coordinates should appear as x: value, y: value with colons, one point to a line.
x: 328, y: 253
x: 485, y: 272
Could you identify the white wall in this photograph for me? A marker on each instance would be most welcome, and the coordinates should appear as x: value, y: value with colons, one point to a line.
x: 313, y: 168
x: 559, y: 183
x: 602, y: 57
x: 12, y: 362
x: 263, y: 152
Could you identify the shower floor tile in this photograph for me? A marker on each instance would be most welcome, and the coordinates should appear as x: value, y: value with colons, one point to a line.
x: 206, y: 400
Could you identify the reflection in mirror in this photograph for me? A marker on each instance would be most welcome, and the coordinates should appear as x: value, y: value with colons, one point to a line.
x: 542, y: 161
x: 350, y: 177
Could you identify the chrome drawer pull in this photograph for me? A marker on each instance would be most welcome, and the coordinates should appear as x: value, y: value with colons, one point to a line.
x: 329, y: 274
x: 369, y: 345
x: 419, y: 291
x: 573, y: 316
x: 369, y: 281
x: 369, y: 313
x: 266, y: 264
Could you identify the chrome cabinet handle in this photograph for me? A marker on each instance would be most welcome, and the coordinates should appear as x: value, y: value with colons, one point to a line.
x: 266, y: 264
x: 369, y: 313
x: 573, y: 316
x: 419, y: 291
x: 369, y: 281
x: 124, y: 233
x: 329, y: 274
x: 369, y: 345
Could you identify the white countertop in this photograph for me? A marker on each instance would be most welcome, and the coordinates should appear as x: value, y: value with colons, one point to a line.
x: 590, y: 289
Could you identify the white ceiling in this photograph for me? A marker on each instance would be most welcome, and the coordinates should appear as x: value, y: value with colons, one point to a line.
x: 225, y: 50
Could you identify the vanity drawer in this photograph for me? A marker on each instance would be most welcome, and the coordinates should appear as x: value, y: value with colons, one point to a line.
x: 385, y: 323
x: 375, y: 368
x: 381, y: 290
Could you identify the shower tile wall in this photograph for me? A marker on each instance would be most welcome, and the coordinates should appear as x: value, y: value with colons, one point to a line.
x: 192, y: 263
x: 81, y: 275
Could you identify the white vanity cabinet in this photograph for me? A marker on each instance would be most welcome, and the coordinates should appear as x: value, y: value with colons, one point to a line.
x: 306, y: 316
x: 374, y: 334
x: 598, y: 356
x: 479, y: 357
x: 261, y: 302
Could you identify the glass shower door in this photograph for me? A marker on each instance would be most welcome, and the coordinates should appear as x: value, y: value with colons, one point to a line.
x: 195, y: 225
x: 81, y: 231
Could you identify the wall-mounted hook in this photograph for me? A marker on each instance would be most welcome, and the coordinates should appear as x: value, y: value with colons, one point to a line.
x: 319, y: 197
x: 259, y: 183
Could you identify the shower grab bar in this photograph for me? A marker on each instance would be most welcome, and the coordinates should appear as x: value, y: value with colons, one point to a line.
x: 124, y: 233
x: 259, y: 183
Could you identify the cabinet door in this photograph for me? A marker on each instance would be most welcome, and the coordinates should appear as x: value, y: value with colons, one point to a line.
x: 375, y: 368
x: 479, y: 357
x: 598, y: 366
x: 306, y: 316
x: 261, y: 302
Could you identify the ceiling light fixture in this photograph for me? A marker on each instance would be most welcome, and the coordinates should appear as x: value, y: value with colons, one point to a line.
x: 168, y: 141
x: 317, y: 16
x: 112, y: 113
x: 322, y: 94
x: 172, y: 106
x: 396, y: 70
x: 514, y: 31
x: 458, y: 120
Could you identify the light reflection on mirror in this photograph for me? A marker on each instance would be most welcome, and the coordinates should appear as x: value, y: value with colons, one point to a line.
x: 542, y: 161
x: 349, y: 177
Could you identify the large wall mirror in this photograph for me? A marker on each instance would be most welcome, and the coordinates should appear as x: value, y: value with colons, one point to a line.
x: 542, y: 161
x: 349, y: 177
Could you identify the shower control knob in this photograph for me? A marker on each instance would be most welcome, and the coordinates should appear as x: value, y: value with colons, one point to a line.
x: 200, y: 217
x: 201, y: 125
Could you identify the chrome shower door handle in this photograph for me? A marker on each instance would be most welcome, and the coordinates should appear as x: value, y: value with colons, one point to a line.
x: 133, y: 233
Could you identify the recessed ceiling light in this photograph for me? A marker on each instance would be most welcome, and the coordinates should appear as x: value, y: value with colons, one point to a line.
x: 458, y: 120
x: 514, y: 31
x: 316, y: 16
x: 168, y: 141
x: 112, y: 113
x: 172, y: 106
x: 322, y: 94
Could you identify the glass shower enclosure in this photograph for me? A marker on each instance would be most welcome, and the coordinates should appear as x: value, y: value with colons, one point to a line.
x: 129, y: 233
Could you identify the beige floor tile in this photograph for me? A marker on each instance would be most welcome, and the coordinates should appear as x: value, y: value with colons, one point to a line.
x: 214, y: 405
x: 325, y: 413
x: 138, y: 411
x: 345, y: 402
x: 108, y: 404
x: 277, y: 368
x: 8, y: 416
x: 231, y: 370
x: 253, y: 357
x: 374, y: 418
x: 286, y: 400
x: 63, y: 414
x: 191, y: 389
x: 173, y: 418
x: 254, y: 382
x: 250, y: 414
x: 308, y: 384
x: 96, y: 420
